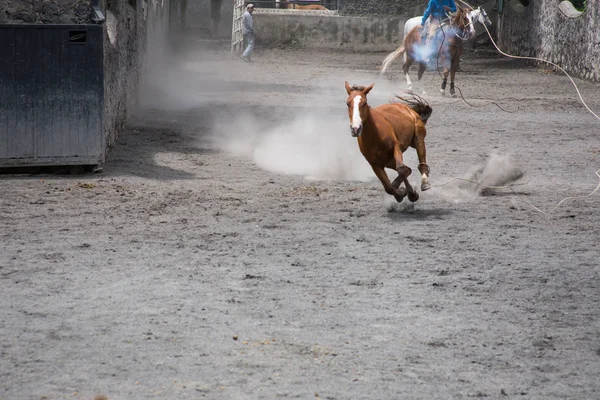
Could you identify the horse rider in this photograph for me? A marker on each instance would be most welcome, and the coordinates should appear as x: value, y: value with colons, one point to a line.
x: 434, y: 15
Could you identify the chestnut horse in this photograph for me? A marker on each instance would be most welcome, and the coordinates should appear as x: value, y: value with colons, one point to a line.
x: 385, y: 132
x: 447, y: 46
x: 285, y: 4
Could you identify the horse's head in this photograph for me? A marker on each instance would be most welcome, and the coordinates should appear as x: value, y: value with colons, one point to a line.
x: 479, y: 15
x: 357, y: 107
x: 463, y: 23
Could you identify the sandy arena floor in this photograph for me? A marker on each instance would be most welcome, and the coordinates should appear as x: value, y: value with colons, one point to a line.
x: 237, y: 245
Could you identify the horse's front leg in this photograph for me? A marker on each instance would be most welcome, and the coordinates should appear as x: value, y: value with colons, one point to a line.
x: 403, y: 173
x: 444, y: 82
x: 419, y: 145
x: 395, y: 191
x: 453, y: 69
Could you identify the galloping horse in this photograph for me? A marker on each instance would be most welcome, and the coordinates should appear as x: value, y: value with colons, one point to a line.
x: 385, y: 132
x: 285, y: 4
x: 451, y: 37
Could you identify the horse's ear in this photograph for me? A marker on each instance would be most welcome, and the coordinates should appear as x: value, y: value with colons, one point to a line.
x: 368, y: 88
x: 348, y: 88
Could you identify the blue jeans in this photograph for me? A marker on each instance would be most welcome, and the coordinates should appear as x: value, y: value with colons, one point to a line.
x: 249, y: 39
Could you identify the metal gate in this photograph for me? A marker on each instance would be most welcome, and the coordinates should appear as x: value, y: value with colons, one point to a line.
x: 51, y: 95
x: 237, y: 38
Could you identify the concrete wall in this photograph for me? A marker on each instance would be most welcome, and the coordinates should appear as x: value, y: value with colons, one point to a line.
x: 327, y: 31
x: 541, y: 30
x: 198, y: 18
x: 359, y: 25
x: 394, y: 8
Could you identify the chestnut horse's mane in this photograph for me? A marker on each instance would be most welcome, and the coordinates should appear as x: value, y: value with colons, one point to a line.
x: 414, y: 101
x: 358, y: 87
x: 418, y: 104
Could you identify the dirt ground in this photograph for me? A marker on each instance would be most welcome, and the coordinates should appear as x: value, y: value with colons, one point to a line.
x: 237, y: 246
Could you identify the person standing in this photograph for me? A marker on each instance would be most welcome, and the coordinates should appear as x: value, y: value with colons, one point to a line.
x: 248, y: 32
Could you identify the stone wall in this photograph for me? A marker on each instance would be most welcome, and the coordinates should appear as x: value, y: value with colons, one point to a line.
x: 135, y: 35
x: 45, y: 11
x: 542, y: 30
x: 122, y: 35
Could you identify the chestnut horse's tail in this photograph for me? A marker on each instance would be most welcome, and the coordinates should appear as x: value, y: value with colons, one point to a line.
x: 391, y: 57
x: 418, y: 104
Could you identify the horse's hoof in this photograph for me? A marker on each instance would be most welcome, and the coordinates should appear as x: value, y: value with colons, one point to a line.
x: 425, y: 186
x: 398, y: 198
x: 453, y: 95
x: 413, y: 196
x: 399, y: 195
x: 443, y: 93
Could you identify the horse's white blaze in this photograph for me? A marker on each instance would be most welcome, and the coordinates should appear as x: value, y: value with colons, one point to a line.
x: 356, y: 121
x: 471, y: 27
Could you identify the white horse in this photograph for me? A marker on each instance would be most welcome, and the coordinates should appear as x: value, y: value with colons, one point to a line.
x: 477, y: 15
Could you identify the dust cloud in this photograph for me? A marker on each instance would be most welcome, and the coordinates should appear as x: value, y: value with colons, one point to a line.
x: 497, y: 170
x: 308, y: 143
x: 315, y: 146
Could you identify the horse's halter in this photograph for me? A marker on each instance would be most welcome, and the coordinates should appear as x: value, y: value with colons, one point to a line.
x: 468, y: 25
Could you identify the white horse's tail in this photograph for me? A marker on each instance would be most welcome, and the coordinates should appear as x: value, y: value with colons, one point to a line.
x: 390, y: 58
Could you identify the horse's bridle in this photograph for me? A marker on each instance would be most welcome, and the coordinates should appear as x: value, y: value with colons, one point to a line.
x: 465, y: 34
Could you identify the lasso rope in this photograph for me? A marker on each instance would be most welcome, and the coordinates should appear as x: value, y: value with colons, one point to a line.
x: 532, y: 59
x: 510, y: 186
x: 547, y: 62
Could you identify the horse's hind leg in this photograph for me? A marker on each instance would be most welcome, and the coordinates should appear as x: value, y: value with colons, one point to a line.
x: 405, y: 68
x: 419, y: 145
x: 422, y: 68
x: 444, y: 82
